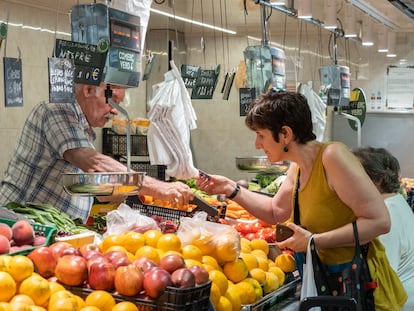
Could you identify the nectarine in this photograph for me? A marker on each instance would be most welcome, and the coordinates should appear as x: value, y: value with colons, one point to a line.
x: 6, y: 231
x: 4, y: 245
x: 23, y: 233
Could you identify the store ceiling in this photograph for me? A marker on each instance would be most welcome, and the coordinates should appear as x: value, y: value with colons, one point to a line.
x: 230, y: 13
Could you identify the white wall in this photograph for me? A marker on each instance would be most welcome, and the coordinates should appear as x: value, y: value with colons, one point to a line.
x: 221, y: 135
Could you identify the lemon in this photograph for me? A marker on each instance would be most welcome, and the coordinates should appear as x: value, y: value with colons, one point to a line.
x: 236, y: 270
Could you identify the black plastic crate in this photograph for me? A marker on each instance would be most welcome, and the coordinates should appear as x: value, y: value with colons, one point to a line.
x: 156, y: 171
x: 116, y: 144
x: 214, y: 213
x: 173, y: 299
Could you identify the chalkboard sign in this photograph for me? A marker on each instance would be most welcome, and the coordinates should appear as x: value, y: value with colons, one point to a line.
x: 189, y: 74
x: 205, y: 84
x: 61, y: 80
x: 246, y: 96
x: 88, y: 60
x: 13, y: 83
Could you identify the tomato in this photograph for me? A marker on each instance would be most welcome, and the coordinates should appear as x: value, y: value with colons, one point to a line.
x: 258, y: 226
x: 250, y: 236
x: 264, y: 224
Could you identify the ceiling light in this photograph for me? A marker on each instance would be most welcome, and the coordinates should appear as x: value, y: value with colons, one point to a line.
x: 383, y: 40
x: 350, y: 22
x: 277, y: 2
x: 367, y: 31
x: 392, y: 41
x: 304, y: 8
x: 183, y: 19
x: 330, y: 14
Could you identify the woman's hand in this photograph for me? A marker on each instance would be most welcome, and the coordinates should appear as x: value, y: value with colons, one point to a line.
x: 215, y: 184
x: 298, y: 242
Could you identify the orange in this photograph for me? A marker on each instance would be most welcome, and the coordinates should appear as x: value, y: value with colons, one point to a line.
x: 250, y: 260
x: 279, y: 273
x: 125, y: 306
x: 246, y: 292
x: 7, y: 286
x: 205, y: 243
x: 152, y: 236
x: 111, y: 240
x: 169, y: 242
x: 263, y: 263
x: 55, y: 287
x: 260, y: 244
x: 259, y: 275
x: 271, y: 283
x: 245, y: 246
x: 80, y: 301
x: 211, y: 261
x: 236, y: 270
x: 192, y: 262
x: 90, y: 308
x: 101, y: 299
x: 234, y: 298
x: 215, y: 294
x: 219, y: 278
x: 224, y: 304
x: 4, y: 262
x: 133, y: 241
x: 5, y: 306
x: 190, y: 251
x: 62, y: 300
x: 286, y: 262
x: 227, y: 248
x: 257, y: 287
x: 37, y: 308
x: 20, y: 267
x: 37, y: 288
x: 21, y: 303
x: 149, y: 252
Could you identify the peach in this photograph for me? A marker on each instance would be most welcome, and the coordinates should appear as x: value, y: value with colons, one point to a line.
x: 4, y: 245
x: 23, y: 233
x: 6, y: 231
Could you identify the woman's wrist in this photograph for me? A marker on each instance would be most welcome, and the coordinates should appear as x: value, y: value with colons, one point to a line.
x: 235, y: 192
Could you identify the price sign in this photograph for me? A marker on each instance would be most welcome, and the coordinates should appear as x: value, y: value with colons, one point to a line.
x: 189, y: 74
x: 246, y: 96
x: 13, y: 84
x: 205, y: 84
x: 88, y: 59
x: 61, y: 80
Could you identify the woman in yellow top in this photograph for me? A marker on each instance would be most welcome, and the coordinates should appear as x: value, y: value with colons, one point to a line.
x: 334, y: 190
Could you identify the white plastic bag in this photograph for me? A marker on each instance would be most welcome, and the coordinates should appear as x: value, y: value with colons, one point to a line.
x: 308, y: 282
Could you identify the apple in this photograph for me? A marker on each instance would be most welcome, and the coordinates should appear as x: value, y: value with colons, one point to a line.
x: 171, y: 262
x: 112, y: 255
x: 96, y: 258
x: 71, y: 270
x: 201, y: 275
x: 129, y: 280
x: 120, y: 261
x: 156, y: 281
x: 71, y: 251
x: 44, y: 261
x: 144, y: 264
x: 101, y: 276
x: 90, y: 254
x: 183, y: 278
x: 85, y: 248
x: 58, y: 248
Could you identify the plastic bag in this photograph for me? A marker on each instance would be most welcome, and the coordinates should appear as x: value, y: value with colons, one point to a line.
x: 214, y: 239
x: 308, y: 282
x: 124, y: 218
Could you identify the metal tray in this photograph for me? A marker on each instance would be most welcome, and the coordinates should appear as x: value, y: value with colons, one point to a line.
x: 261, y: 164
x: 103, y: 184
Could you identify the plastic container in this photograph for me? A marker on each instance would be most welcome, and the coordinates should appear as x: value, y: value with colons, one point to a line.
x: 173, y: 299
x: 116, y: 144
x: 48, y: 231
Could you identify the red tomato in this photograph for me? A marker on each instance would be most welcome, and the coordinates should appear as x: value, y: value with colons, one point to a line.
x: 250, y: 236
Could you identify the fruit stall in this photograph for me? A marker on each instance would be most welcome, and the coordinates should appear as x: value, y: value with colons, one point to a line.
x: 210, y: 255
